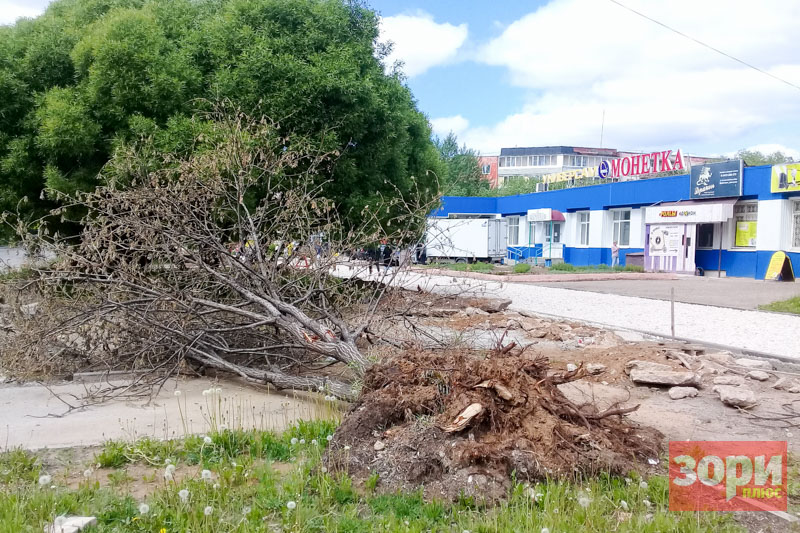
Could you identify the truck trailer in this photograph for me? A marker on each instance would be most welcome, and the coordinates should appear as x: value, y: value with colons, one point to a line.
x: 466, y: 240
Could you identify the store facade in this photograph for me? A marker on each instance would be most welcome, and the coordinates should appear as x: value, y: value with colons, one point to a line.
x: 715, y: 220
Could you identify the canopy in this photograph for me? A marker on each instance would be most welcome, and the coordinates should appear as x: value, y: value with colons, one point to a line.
x: 545, y: 215
x: 690, y: 212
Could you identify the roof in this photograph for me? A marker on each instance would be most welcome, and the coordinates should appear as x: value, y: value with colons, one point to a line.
x: 550, y: 150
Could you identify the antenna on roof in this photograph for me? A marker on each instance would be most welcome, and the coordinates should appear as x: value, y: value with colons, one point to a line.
x: 602, y: 126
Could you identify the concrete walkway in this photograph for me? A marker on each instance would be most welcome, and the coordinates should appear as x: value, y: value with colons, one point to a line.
x: 759, y: 331
x: 30, y: 414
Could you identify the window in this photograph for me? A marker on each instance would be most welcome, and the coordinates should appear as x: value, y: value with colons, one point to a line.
x: 705, y: 235
x: 622, y: 227
x: 513, y: 231
x: 583, y: 223
x: 745, y: 217
x: 556, y: 229
x: 795, y: 224
x: 486, y: 169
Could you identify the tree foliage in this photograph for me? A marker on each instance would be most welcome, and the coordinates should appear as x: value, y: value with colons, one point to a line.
x: 461, y: 173
x: 754, y: 157
x: 89, y: 77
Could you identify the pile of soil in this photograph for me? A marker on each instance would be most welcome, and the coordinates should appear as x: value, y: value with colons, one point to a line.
x: 408, y: 426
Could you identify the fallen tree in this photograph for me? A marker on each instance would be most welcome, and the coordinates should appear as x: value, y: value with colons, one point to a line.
x: 228, y: 259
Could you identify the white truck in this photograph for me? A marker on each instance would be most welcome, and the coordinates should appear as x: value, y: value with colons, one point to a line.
x: 466, y: 240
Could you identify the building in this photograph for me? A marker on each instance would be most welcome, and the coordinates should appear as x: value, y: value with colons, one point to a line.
x: 718, y: 218
x: 564, y: 163
x: 489, y: 164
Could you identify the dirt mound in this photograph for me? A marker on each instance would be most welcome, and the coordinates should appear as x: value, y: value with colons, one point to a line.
x: 462, y: 423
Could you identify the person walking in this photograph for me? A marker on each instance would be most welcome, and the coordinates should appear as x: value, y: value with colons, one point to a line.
x: 614, y: 254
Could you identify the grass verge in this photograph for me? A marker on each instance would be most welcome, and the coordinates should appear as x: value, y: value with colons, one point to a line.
x: 792, y: 305
x: 241, y: 489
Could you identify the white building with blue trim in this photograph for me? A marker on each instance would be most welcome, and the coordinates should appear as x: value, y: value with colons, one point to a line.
x: 660, y: 219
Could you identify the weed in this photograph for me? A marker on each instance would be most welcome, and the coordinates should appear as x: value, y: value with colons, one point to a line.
x: 18, y: 465
x: 372, y: 482
x: 792, y: 305
x: 113, y: 455
x: 522, y: 268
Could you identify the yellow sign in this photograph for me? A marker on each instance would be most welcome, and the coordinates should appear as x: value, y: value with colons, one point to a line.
x: 785, y: 178
x: 746, y: 233
x: 588, y: 172
x: 780, y: 267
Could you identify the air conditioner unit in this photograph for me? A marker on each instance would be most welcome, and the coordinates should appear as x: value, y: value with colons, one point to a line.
x: 540, y: 187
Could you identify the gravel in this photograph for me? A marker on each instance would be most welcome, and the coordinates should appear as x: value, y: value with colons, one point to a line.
x: 750, y: 330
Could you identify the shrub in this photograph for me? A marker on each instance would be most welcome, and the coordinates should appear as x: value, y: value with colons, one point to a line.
x: 522, y: 268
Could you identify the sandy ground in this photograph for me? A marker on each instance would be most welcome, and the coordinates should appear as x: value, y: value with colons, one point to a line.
x: 769, y: 333
x: 30, y: 415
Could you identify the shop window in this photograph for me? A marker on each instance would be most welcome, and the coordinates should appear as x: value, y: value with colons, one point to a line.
x: 795, y: 224
x: 622, y: 227
x: 705, y: 235
x: 583, y: 223
x: 556, y: 232
x: 745, y: 217
x: 513, y: 231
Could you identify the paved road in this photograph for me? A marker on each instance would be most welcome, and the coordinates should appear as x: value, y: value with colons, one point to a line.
x: 760, y: 331
x: 740, y: 293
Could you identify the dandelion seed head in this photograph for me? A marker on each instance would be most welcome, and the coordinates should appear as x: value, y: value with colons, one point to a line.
x: 624, y: 505
x: 206, y: 475
x: 294, y: 440
x: 183, y: 494
x: 291, y: 505
x: 144, y: 508
x: 206, y: 392
x: 314, y: 442
x: 643, y: 485
x: 329, y: 437
x: 208, y: 510
x: 346, y: 448
x: 177, y: 393
x: 45, y: 480
x: 584, y: 501
x: 87, y: 473
x: 207, y: 440
x: 302, y: 441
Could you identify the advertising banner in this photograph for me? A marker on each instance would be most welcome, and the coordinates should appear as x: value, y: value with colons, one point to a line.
x: 716, y: 180
x: 746, y: 233
x: 665, y: 240
x: 785, y: 178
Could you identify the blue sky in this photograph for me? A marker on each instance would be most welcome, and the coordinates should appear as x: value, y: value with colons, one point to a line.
x: 512, y: 73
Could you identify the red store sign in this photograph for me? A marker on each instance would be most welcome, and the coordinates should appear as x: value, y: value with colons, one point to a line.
x: 637, y: 165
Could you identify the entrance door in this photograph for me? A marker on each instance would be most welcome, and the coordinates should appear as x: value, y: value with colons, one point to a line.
x: 690, y: 247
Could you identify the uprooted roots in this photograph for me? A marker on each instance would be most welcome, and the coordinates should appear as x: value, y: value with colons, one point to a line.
x: 463, y: 423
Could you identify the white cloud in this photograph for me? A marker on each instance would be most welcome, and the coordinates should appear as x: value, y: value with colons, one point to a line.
x: 444, y: 125
x: 11, y: 11
x: 420, y: 42
x: 579, y: 58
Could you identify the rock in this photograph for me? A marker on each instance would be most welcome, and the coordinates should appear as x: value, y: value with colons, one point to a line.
x: 722, y: 358
x: 645, y: 365
x: 758, y: 375
x: 782, y: 383
x: 755, y: 364
x: 571, y: 367
x: 29, y: 310
x: 735, y: 396
x: 379, y: 445
x: 595, y: 368
x: 664, y: 377
x: 729, y: 380
x: 472, y: 311
x: 677, y: 393
x: 494, y: 305
x: 73, y: 524
x: 794, y: 390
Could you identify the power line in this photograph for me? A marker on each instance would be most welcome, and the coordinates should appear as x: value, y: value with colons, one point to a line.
x: 701, y: 43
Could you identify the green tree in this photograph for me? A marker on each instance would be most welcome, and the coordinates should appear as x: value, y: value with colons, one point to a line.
x: 461, y: 173
x: 754, y: 157
x: 90, y: 78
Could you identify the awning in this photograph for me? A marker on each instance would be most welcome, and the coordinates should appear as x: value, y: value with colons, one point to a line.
x: 545, y: 215
x: 690, y: 212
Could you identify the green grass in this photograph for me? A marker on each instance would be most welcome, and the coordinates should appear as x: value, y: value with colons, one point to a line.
x: 246, y: 495
x: 792, y: 305
x: 568, y: 267
x: 469, y: 267
x: 522, y: 268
